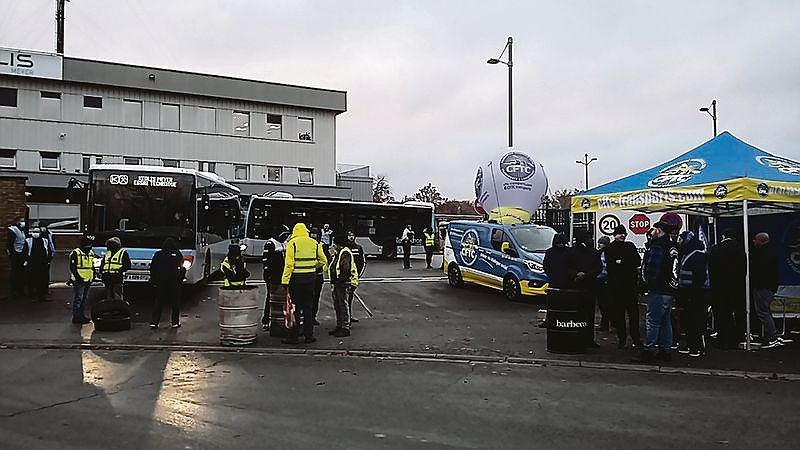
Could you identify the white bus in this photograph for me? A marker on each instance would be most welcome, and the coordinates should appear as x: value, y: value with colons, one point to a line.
x: 144, y: 205
x: 377, y: 226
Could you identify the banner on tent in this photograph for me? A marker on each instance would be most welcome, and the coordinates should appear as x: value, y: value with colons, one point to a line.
x: 666, y: 198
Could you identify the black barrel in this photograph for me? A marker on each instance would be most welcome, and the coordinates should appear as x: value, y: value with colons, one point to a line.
x: 566, y: 321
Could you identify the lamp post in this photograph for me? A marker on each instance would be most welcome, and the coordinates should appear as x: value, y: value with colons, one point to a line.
x: 585, y: 163
x: 713, y: 113
x: 510, y: 64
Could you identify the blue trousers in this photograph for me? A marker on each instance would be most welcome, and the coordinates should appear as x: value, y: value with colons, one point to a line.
x: 80, y: 290
x: 659, y: 326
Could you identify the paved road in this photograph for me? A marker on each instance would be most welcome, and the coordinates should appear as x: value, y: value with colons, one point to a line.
x: 84, y: 399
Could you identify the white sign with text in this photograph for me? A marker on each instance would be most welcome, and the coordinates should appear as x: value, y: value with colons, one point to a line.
x: 30, y: 64
x: 635, y: 223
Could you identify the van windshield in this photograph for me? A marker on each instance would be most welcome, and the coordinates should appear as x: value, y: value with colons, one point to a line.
x: 533, y: 239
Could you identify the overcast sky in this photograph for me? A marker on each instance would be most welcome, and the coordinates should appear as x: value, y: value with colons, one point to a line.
x: 620, y: 80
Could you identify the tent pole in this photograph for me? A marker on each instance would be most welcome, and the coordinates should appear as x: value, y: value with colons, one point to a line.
x: 746, y: 240
x: 716, y: 230
x: 571, y: 227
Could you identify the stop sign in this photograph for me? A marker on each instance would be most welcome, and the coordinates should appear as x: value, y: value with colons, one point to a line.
x: 639, y: 224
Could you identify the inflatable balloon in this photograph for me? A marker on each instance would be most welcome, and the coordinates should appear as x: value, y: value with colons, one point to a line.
x: 510, y: 187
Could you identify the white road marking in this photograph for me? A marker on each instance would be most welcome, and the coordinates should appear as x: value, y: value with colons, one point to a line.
x: 63, y: 285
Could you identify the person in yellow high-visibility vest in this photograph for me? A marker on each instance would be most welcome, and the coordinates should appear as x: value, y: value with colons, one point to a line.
x: 344, y: 278
x: 81, y: 274
x: 303, y: 256
x: 430, y: 241
x: 115, y: 263
x: 233, y: 268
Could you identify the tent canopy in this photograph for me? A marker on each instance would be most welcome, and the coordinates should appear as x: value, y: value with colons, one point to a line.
x: 711, y: 179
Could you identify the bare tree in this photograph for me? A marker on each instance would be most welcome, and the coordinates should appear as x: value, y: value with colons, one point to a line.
x: 381, y: 190
x: 430, y: 194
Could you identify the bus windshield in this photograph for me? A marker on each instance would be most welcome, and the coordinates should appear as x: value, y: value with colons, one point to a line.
x: 533, y: 239
x: 143, y: 208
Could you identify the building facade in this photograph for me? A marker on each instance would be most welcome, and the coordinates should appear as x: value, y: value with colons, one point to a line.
x: 61, y: 115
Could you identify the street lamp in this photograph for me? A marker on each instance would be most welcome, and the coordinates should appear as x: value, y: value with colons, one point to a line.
x: 510, y: 64
x: 585, y: 163
x: 713, y: 114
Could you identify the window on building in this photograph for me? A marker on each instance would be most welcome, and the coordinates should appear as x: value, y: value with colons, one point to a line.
x: 51, y: 105
x: 306, y: 176
x: 50, y: 161
x: 170, y: 117
x: 274, y: 126
x: 241, y: 123
x: 274, y: 174
x: 305, y: 129
x: 132, y: 113
x: 90, y: 101
x: 206, y: 166
x: 55, y: 216
x: 131, y: 160
x: 241, y: 172
x: 88, y: 160
x: 170, y: 162
x: 8, y: 158
x: 8, y: 97
x: 206, y: 120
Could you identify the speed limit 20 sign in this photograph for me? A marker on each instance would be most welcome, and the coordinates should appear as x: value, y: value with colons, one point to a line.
x: 607, y: 223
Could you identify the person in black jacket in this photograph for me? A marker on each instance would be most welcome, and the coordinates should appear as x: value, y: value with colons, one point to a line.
x: 37, y: 264
x: 727, y: 267
x: 659, y: 272
x: 272, y: 265
x: 166, y: 276
x: 622, y: 264
x: 692, y: 290
x: 556, y: 261
x: 358, y: 258
x: 584, y: 266
x: 764, y: 284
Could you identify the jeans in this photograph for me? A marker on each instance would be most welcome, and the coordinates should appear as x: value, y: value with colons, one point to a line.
x: 762, y: 298
x: 659, y: 327
x: 80, y: 291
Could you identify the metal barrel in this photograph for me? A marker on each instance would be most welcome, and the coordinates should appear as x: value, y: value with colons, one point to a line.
x: 277, y: 323
x: 566, y: 321
x: 239, y: 315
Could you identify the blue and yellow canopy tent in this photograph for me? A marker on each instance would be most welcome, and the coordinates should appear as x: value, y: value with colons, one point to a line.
x: 722, y: 177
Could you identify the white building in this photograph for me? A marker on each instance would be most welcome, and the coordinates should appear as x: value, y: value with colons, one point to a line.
x: 59, y: 115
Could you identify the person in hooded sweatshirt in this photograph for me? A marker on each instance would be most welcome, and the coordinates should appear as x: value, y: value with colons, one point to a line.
x: 622, y: 264
x: 304, y: 256
x: 166, y: 276
x: 585, y: 265
x: 692, y: 290
x: 556, y: 262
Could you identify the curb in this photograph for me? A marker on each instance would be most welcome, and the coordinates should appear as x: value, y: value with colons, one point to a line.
x: 409, y: 356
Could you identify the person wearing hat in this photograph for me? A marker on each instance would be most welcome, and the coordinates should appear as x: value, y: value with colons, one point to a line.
x: 556, y: 262
x: 112, y: 270
x: 693, y: 291
x: 233, y: 268
x: 81, y: 274
x: 303, y: 257
x: 764, y: 267
x: 660, y: 275
x: 602, y: 286
x: 584, y: 266
x: 37, y: 263
x: 166, y: 276
x: 622, y: 264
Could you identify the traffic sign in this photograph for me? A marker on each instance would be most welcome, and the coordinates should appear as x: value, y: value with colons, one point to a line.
x: 639, y: 224
x: 607, y: 223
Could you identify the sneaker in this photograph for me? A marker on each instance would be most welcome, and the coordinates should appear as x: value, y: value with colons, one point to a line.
x: 785, y: 341
x: 153, y: 326
x: 310, y: 339
x: 292, y: 341
x: 637, y: 344
x: 353, y: 320
x: 694, y: 353
x: 772, y: 344
x: 675, y: 346
x: 176, y: 325
x: 684, y: 350
x: 341, y: 332
x: 85, y: 320
x: 264, y: 327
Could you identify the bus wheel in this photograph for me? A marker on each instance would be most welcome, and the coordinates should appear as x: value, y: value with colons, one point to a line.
x: 454, y: 275
x: 511, y: 288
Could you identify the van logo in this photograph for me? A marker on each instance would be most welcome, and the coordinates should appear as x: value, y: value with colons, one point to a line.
x: 469, y: 247
x: 517, y: 166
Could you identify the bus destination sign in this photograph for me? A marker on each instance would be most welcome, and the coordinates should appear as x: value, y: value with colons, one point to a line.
x: 143, y: 180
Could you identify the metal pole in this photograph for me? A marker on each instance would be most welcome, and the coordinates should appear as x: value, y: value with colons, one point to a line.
x: 60, y: 26
x: 586, y: 167
x: 714, y: 115
x: 510, y: 84
x: 746, y: 240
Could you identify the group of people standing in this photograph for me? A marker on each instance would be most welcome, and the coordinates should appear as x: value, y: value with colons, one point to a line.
x: 683, y: 279
x: 30, y: 253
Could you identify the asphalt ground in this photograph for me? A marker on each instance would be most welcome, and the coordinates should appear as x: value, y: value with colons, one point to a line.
x: 415, y: 311
x: 69, y: 399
